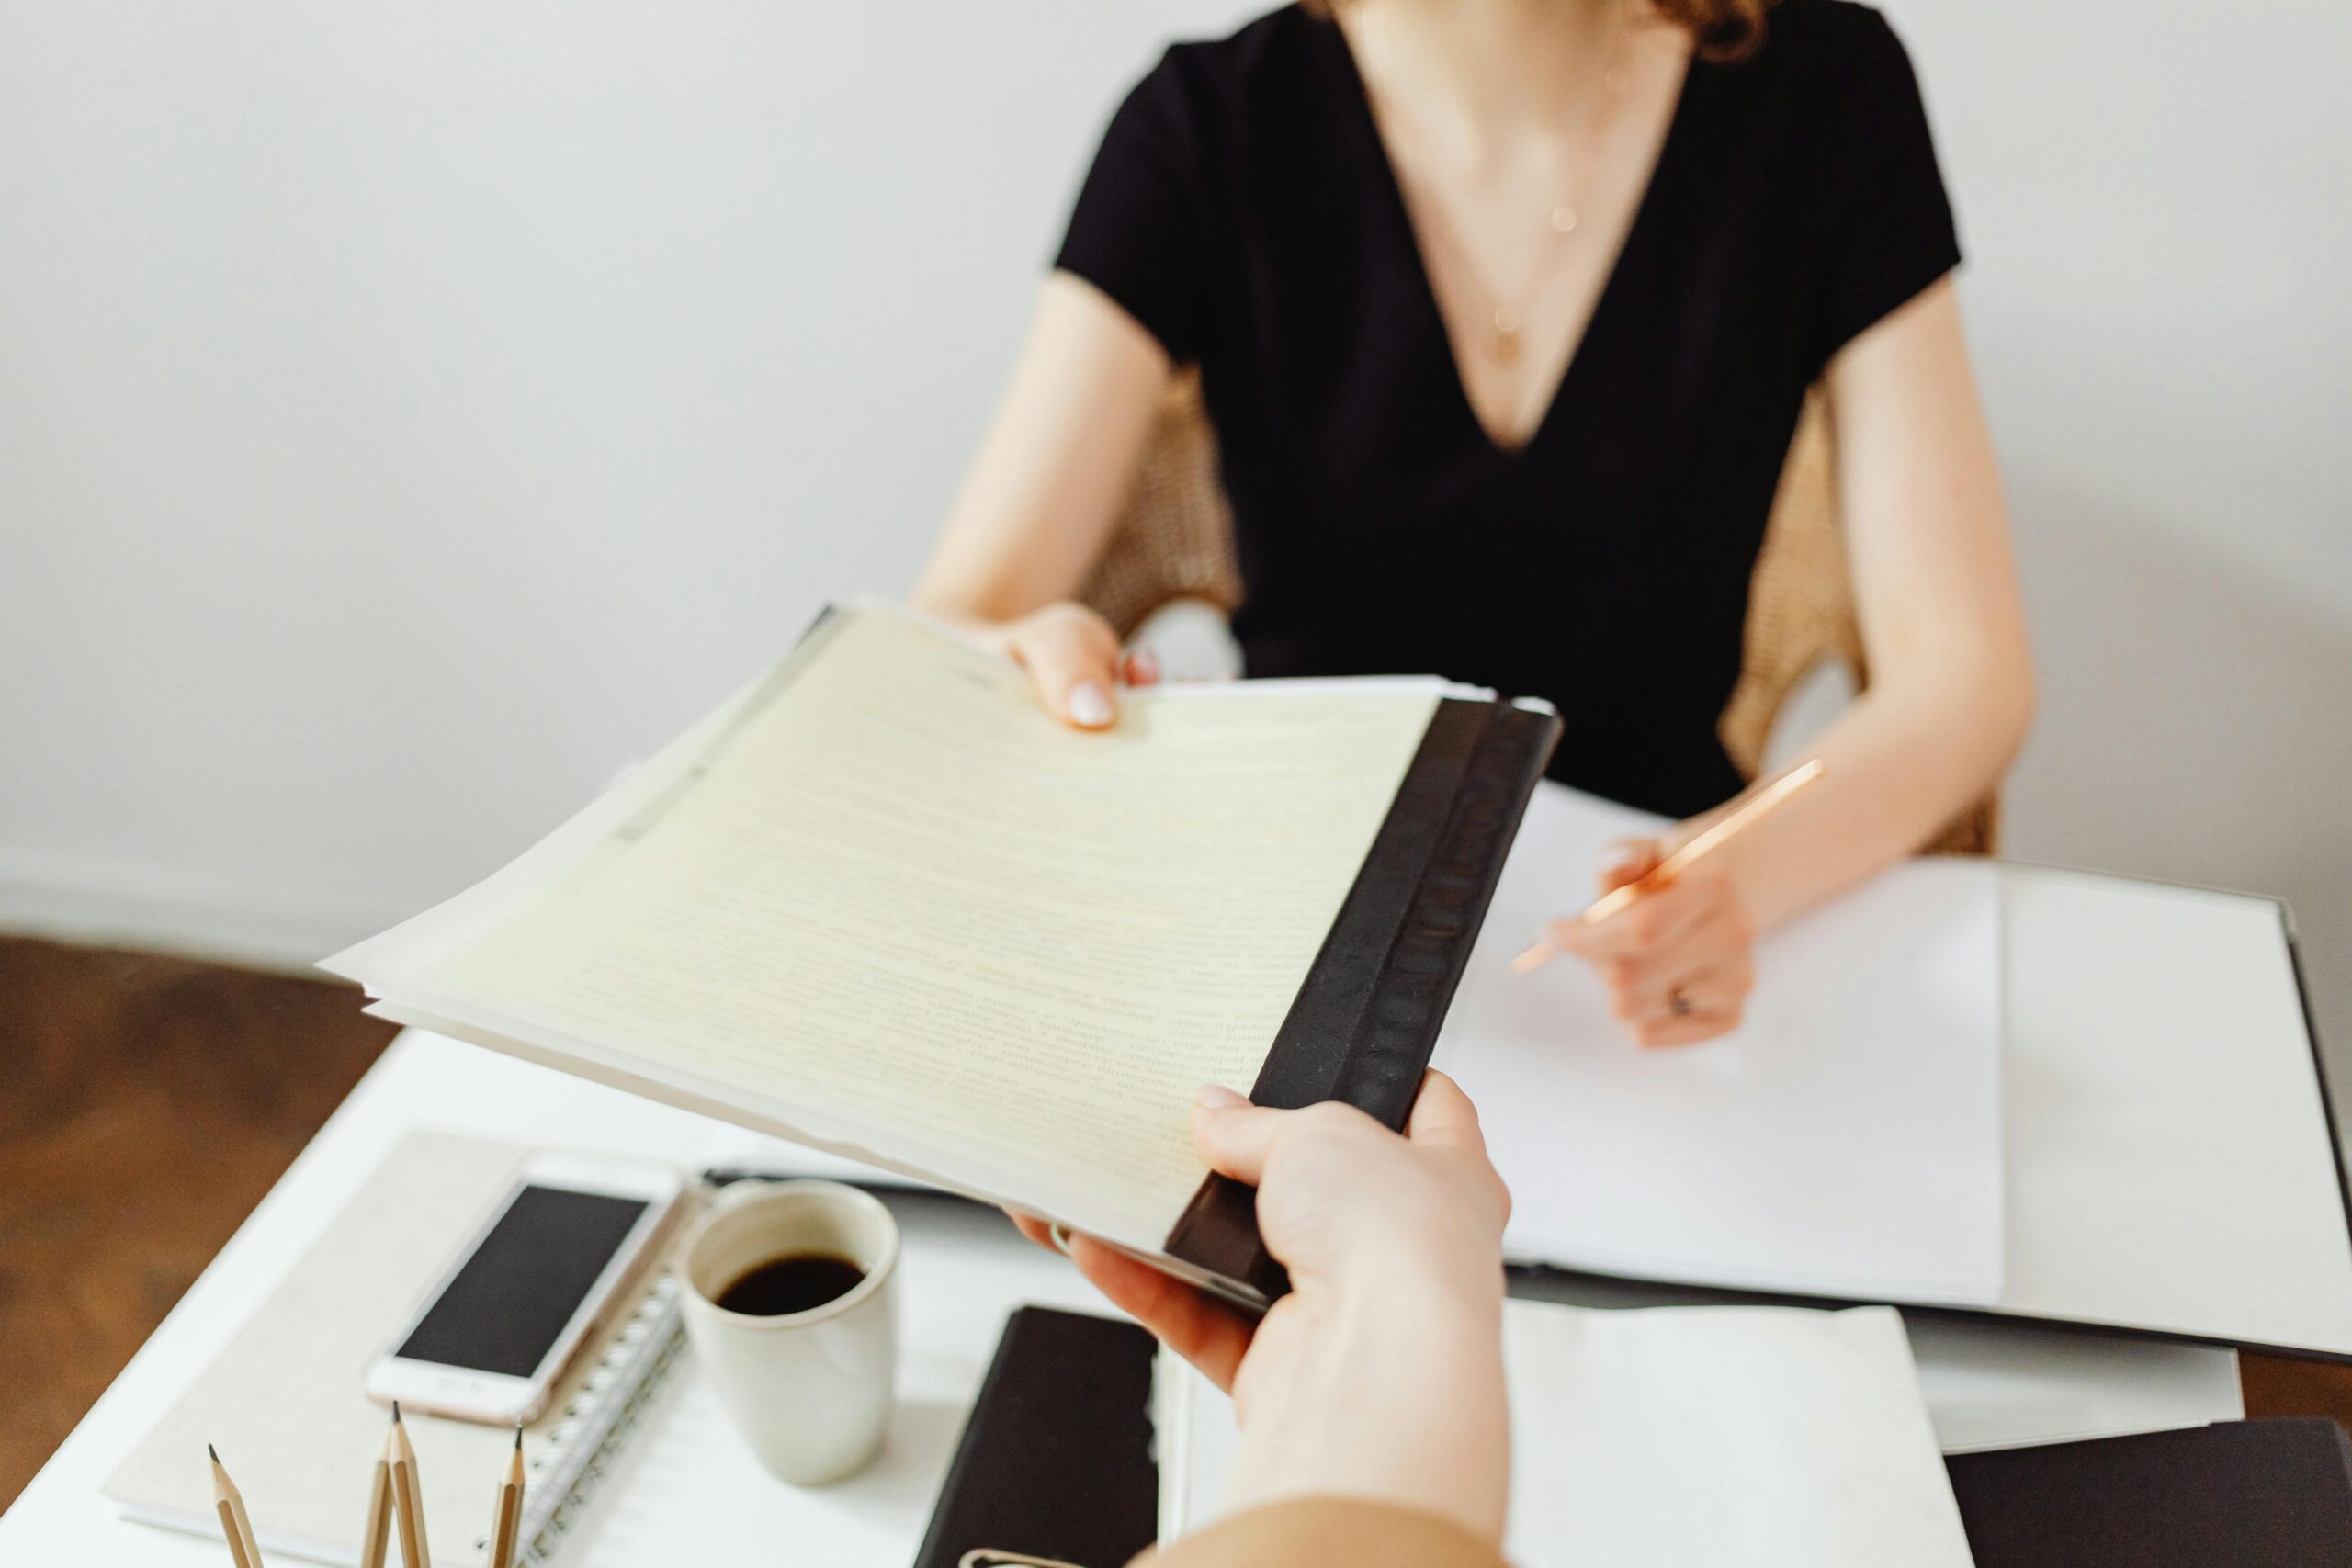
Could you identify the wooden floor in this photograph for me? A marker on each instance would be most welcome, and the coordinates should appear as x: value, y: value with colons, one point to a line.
x: 147, y: 1103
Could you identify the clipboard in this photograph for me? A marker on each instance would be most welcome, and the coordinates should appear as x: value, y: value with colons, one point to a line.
x: 1455, y: 768
x: 1366, y: 1020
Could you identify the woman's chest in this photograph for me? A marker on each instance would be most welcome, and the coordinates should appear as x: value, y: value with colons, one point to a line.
x: 1349, y: 434
x: 1342, y: 389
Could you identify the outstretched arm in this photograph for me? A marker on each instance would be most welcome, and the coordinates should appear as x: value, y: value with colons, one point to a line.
x: 1037, y: 507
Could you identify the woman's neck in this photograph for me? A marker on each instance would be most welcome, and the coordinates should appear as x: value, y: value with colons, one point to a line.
x: 1480, y: 72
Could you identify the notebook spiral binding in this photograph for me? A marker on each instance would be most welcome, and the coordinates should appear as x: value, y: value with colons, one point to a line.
x: 563, y: 1473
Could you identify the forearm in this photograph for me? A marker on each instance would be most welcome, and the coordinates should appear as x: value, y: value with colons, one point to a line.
x: 1046, y: 486
x: 1311, y: 1532
x: 1405, y: 1404
x: 1936, y: 592
x: 1908, y: 756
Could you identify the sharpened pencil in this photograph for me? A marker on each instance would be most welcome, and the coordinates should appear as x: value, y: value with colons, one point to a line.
x: 378, y: 1535
x: 506, y: 1524
x: 231, y: 1506
x: 408, y: 1498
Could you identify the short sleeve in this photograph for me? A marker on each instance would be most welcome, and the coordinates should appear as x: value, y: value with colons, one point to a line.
x: 1886, y: 229
x: 1141, y: 231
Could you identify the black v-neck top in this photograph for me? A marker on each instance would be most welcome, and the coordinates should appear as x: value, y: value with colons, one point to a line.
x: 1243, y: 209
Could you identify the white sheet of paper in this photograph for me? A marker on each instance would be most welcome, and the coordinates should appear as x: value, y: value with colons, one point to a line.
x: 1996, y: 1383
x: 2005, y: 1385
x: 1766, y: 1437
x: 1845, y: 1141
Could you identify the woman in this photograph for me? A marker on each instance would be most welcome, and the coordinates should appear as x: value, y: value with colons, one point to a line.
x: 1504, y: 311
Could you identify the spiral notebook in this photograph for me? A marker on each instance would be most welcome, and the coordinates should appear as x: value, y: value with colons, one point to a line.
x: 283, y: 1403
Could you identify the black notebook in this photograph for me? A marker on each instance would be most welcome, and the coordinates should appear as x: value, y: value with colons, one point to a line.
x: 883, y: 903
x: 1055, y: 1461
x: 2234, y: 1494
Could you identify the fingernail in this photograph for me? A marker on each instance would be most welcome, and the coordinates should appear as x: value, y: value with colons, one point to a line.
x: 1090, y: 705
x: 1217, y: 1097
x: 1145, y: 665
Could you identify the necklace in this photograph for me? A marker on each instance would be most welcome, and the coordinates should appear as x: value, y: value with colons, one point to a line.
x: 1507, y: 312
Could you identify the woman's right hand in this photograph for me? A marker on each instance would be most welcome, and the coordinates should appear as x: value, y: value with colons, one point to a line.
x: 1075, y: 662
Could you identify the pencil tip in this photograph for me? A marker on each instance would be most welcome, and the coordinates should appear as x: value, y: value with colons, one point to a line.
x: 396, y: 1412
x: 213, y: 1451
x: 518, y: 1437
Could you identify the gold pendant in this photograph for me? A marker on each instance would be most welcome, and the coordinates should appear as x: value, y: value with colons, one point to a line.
x: 1506, y: 345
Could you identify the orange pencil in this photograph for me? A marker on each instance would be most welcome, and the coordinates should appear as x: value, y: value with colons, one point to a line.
x: 1704, y: 843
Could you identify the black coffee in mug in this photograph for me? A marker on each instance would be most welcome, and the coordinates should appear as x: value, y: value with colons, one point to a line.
x: 798, y: 1282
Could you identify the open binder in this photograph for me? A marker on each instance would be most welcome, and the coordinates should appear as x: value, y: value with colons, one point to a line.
x: 881, y: 904
x: 2174, y: 1168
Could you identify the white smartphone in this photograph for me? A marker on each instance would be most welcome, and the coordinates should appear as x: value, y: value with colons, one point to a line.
x: 529, y: 1289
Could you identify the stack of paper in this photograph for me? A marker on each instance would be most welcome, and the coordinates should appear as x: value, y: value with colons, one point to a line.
x: 1766, y: 1437
x: 886, y: 904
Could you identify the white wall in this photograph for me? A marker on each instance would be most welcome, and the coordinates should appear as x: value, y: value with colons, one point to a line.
x: 408, y: 413
x: 2152, y: 197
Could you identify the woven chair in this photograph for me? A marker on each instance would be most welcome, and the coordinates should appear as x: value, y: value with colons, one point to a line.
x: 1175, y: 541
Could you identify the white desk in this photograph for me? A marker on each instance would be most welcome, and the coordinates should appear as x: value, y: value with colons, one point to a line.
x: 686, y: 1492
x: 697, y: 1495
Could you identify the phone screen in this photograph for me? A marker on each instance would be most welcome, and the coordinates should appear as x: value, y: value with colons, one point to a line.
x: 507, y: 1305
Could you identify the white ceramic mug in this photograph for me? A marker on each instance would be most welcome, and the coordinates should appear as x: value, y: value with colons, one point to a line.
x: 809, y: 1390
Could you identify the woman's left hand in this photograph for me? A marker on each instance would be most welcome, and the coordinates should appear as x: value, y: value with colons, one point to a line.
x: 1677, y: 960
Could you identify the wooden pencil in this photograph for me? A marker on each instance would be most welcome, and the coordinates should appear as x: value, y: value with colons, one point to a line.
x: 378, y: 1535
x: 408, y: 1498
x: 506, y: 1524
x: 231, y: 1506
x: 1714, y: 837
